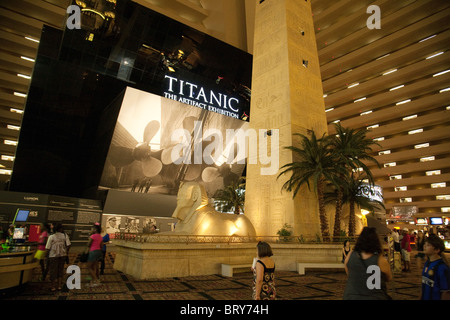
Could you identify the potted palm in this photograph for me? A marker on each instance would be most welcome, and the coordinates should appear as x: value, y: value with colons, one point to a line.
x: 315, y: 164
x: 231, y: 198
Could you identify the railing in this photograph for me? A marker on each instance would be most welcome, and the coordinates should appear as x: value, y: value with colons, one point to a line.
x: 164, y: 238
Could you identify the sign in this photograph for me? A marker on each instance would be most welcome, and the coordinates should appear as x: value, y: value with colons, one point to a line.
x: 33, y: 232
x: 403, y: 212
x: 201, y: 96
x: 421, y: 221
x: 374, y: 193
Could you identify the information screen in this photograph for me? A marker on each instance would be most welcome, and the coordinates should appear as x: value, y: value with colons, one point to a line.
x: 435, y: 221
x: 22, y: 215
x: 18, y: 233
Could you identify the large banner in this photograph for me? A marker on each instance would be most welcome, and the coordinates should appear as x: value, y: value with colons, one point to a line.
x: 113, y: 223
x: 159, y: 142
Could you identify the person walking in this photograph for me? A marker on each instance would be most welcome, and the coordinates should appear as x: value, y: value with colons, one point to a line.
x: 367, y: 253
x: 58, y: 246
x: 406, y: 249
x: 94, y: 245
x: 396, y: 238
x: 436, y: 271
x: 41, y: 253
x: 105, y: 239
x: 345, y: 250
x: 420, y: 256
x: 264, y: 274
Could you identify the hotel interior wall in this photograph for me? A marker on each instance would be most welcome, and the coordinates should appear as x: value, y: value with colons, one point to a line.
x: 349, y: 53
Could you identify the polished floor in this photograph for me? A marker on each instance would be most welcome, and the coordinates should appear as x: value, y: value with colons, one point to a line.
x: 315, y: 285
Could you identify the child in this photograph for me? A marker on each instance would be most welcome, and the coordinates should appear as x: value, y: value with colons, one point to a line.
x: 436, y: 272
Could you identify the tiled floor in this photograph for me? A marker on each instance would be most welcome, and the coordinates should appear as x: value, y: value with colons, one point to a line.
x: 315, y: 285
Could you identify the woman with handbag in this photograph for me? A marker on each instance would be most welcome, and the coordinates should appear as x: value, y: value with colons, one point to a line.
x: 95, y: 245
x: 58, y: 245
x: 367, y: 270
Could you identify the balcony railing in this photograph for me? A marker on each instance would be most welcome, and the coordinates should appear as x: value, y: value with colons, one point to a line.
x: 164, y: 238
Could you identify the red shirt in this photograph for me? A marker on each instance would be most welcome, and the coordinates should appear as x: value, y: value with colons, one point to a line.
x: 406, y: 242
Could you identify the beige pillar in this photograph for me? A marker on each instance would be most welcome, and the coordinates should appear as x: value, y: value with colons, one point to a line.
x: 286, y: 95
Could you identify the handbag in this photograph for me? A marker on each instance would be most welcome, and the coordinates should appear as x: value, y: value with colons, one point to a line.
x: 84, y: 256
x: 65, y: 245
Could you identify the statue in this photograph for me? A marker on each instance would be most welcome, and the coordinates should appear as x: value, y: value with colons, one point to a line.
x: 196, y: 215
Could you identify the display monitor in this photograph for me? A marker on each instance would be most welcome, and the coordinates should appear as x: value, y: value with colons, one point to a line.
x: 447, y: 244
x: 19, y: 233
x: 21, y: 215
x: 435, y: 221
x: 421, y: 221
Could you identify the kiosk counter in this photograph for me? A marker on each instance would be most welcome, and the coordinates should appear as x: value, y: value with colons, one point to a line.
x: 16, y: 265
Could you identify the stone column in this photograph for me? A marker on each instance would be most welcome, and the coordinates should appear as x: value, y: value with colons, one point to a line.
x: 287, y: 95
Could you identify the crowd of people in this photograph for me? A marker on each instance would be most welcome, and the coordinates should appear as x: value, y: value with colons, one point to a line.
x: 366, y: 255
x: 368, y: 251
x: 362, y: 262
x: 53, y: 254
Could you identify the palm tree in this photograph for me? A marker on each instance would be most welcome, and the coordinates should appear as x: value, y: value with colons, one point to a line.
x: 352, y: 150
x: 316, y: 164
x: 231, y: 197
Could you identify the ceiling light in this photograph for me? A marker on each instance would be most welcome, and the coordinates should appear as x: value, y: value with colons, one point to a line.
x: 435, y: 55
x: 422, y: 145
x: 19, y: 94
x: 12, y: 127
x: 398, y: 87
x: 444, y: 90
x: 26, y: 58
x: 16, y: 110
x: 439, y: 185
x: 427, y: 38
x: 415, y: 131
x: 7, y: 158
x: 330, y: 109
x: 403, y: 102
x: 353, y: 85
x: 410, y: 117
x: 383, y: 56
x: 366, y: 112
x: 441, y: 73
x: 31, y: 39
x: 5, y: 171
x: 390, y: 164
x: 360, y: 99
x: 10, y: 142
x: 391, y: 71
x: 23, y: 76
